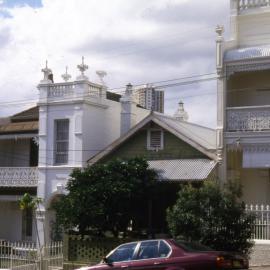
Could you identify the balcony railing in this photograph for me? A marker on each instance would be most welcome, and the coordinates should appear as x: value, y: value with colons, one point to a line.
x: 250, y: 4
x: 68, y: 91
x: 18, y: 177
x: 248, y: 118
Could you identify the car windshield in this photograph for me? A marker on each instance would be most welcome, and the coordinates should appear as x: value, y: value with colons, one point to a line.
x: 192, y: 246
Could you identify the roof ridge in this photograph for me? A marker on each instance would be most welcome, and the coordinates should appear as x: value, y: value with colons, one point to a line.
x: 182, y: 122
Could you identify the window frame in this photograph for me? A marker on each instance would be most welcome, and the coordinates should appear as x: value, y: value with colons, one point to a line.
x: 158, y: 240
x: 118, y: 247
x: 57, y: 163
x: 149, y: 147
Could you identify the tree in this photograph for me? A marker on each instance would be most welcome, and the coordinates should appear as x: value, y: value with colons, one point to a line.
x: 106, y: 196
x: 212, y: 215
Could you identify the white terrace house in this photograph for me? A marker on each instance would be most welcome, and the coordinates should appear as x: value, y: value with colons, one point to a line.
x: 243, y: 67
x: 40, y: 147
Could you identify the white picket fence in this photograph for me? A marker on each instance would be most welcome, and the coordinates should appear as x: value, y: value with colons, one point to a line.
x: 262, y: 222
x: 26, y: 256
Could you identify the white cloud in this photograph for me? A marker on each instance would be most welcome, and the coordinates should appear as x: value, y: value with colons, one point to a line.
x: 134, y: 41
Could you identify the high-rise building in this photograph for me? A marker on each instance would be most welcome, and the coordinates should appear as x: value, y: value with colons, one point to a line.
x: 150, y: 98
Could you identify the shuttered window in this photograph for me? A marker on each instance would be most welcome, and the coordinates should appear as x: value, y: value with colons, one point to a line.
x: 61, y: 141
x: 155, y: 140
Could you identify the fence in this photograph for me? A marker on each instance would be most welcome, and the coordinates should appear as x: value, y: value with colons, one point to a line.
x: 262, y: 222
x: 26, y: 256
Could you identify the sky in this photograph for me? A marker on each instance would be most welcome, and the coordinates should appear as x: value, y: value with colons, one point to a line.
x: 134, y: 41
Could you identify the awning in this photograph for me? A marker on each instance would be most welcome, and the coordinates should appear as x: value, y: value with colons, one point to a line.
x: 19, y: 127
x: 256, y: 156
x: 247, y: 59
x: 183, y: 169
x: 247, y: 53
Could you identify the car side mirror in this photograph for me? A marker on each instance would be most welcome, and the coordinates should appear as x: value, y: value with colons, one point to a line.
x: 107, y: 261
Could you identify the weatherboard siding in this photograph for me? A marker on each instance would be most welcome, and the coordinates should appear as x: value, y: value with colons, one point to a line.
x: 136, y: 146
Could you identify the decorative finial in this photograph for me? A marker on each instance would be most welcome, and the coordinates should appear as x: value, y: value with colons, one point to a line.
x: 66, y: 76
x: 82, y: 67
x: 220, y: 30
x: 47, y: 72
x: 101, y: 74
x: 181, y: 114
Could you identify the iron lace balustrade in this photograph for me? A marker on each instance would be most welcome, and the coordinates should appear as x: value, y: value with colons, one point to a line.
x: 251, y: 4
x: 18, y: 176
x: 255, y: 118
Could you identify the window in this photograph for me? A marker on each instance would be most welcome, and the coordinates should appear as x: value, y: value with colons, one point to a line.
x: 153, y: 249
x: 164, y: 249
x: 155, y: 139
x: 148, y: 250
x: 61, y: 141
x: 122, y: 253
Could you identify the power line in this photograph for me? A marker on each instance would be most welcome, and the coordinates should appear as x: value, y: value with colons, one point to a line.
x: 26, y: 101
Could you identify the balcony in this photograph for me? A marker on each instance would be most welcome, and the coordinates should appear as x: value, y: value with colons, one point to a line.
x: 254, y: 118
x: 18, y: 176
x: 244, y: 5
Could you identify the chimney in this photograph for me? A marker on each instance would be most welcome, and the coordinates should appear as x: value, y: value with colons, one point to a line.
x: 181, y: 114
x: 128, y: 107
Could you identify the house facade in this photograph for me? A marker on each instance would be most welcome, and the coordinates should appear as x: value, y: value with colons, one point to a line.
x: 180, y: 152
x: 243, y: 67
x: 40, y: 147
x: 18, y: 173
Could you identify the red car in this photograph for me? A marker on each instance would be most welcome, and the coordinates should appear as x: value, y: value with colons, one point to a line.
x: 165, y: 254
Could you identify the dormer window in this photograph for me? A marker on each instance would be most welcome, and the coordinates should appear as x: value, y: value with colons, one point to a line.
x: 155, y: 139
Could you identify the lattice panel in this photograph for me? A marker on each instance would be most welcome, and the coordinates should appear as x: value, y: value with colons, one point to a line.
x: 91, y: 250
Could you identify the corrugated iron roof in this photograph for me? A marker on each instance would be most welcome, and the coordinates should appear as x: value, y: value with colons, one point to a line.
x: 247, y: 53
x: 183, y: 169
x: 19, y: 127
x: 206, y: 137
x: 31, y: 114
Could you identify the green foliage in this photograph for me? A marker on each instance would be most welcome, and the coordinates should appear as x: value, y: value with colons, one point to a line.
x: 29, y: 202
x: 212, y: 215
x: 106, y: 196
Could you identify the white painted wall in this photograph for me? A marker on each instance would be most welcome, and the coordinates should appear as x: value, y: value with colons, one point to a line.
x: 100, y: 127
x: 253, y: 28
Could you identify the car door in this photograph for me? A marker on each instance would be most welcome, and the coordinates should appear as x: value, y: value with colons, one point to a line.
x: 120, y: 258
x: 151, y: 255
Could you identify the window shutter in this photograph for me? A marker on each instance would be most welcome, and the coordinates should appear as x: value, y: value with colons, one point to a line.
x: 155, y: 139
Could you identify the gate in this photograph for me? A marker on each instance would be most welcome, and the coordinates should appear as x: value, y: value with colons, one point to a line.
x: 26, y: 256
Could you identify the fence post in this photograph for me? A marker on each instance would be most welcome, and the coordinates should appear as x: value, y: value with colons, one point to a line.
x: 11, y: 257
x: 66, y: 247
